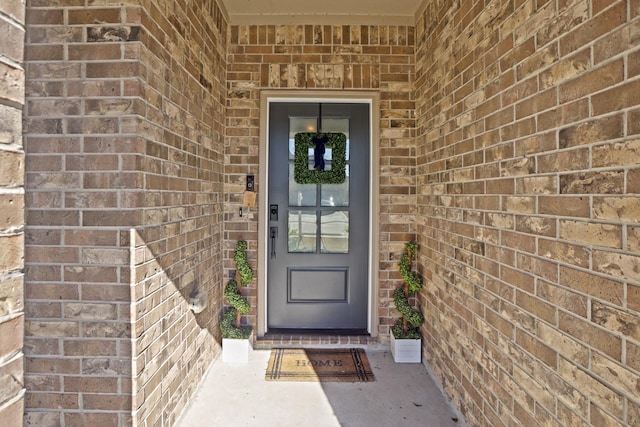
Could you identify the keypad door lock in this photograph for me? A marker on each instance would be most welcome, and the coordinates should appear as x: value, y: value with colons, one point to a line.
x: 273, y: 212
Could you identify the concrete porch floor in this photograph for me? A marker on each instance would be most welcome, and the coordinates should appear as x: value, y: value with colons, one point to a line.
x: 401, y: 395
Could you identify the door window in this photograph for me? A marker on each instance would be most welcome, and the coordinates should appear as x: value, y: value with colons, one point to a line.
x: 324, y: 229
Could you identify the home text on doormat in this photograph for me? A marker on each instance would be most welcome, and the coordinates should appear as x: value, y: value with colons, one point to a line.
x: 340, y: 365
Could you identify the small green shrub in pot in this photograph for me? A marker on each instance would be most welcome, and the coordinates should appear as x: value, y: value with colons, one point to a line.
x: 231, y: 320
x: 408, y: 326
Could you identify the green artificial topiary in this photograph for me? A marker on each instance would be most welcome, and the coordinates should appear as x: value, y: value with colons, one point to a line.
x: 242, y: 265
x: 230, y: 323
x: 235, y: 299
x: 407, y: 327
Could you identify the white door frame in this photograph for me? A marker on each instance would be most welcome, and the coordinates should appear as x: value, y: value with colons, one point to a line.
x: 371, y: 98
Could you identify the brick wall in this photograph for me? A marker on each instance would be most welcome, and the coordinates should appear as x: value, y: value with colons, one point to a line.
x: 12, y: 212
x: 528, y: 213
x: 520, y: 115
x: 81, y: 147
x: 329, y: 57
x: 124, y: 149
x: 178, y: 246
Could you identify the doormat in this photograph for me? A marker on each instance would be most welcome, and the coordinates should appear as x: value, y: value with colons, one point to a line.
x: 324, y: 365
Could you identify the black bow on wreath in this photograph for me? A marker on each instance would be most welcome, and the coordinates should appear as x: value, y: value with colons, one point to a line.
x: 319, y: 141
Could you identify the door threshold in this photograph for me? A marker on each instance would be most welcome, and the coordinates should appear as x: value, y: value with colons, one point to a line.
x: 294, y: 331
x: 307, y: 338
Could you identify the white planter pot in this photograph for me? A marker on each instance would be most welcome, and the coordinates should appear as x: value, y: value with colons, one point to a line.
x: 406, y: 351
x: 236, y: 350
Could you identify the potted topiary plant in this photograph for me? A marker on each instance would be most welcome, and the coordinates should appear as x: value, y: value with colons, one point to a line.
x: 236, y: 339
x: 406, y: 341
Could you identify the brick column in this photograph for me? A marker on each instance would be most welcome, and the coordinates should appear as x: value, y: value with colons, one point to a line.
x: 80, y: 109
x: 124, y: 143
x: 11, y: 212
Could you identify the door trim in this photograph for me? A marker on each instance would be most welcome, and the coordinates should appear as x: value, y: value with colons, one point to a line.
x: 371, y: 98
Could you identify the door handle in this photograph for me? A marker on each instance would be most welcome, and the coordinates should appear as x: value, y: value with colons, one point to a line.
x: 274, y: 234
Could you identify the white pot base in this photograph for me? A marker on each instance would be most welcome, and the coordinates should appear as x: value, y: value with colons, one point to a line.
x: 406, y: 351
x: 236, y: 350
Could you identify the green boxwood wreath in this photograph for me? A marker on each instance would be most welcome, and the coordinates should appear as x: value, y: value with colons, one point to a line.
x: 336, y: 175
